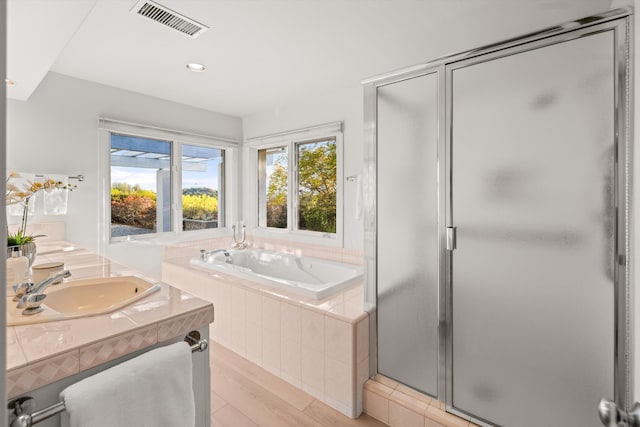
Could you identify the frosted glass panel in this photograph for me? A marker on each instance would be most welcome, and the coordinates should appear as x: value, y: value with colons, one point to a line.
x: 407, y: 232
x: 533, y: 191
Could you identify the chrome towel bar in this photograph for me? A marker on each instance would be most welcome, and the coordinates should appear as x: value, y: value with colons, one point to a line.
x: 22, y: 413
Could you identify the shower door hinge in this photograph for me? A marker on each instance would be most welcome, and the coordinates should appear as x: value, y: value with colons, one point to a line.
x: 451, y: 238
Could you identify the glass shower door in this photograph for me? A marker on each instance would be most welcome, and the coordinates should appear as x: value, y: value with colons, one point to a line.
x: 407, y: 232
x: 533, y: 164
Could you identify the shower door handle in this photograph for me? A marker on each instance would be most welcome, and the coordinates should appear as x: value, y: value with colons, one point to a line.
x: 612, y: 416
x: 451, y: 238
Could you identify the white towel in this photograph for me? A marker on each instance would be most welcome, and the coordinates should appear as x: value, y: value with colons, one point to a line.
x: 55, y: 199
x: 151, y: 390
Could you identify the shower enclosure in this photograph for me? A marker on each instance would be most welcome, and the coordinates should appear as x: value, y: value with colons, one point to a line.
x: 497, y: 227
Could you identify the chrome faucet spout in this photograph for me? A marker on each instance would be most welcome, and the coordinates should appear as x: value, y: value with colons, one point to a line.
x: 205, y: 255
x: 39, y: 287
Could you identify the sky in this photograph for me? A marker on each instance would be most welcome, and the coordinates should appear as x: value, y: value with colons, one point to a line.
x: 146, y: 178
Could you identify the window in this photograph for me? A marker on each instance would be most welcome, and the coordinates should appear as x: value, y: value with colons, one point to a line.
x: 298, y: 183
x: 317, y: 173
x: 202, y: 183
x: 161, y: 185
x: 140, y: 185
x: 273, y: 187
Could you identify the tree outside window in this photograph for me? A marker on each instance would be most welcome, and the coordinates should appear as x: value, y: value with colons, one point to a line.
x: 316, y: 186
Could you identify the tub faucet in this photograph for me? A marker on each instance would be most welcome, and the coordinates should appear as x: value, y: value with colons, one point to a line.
x: 204, y: 255
x: 31, y: 295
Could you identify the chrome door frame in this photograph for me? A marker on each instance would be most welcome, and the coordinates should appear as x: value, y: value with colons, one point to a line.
x: 618, y: 20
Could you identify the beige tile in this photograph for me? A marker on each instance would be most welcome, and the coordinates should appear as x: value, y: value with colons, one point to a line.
x: 239, y: 320
x: 378, y: 388
x: 362, y: 375
x: 355, y: 291
x: 41, y: 373
x: 271, y: 351
x: 291, y: 361
x: 350, y: 311
x: 312, y: 373
x: 338, y: 340
x: 118, y: 346
x: 444, y: 418
x: 399, y: 416
x: 77, y: 259
x: 386, y: 381
x: 338, y: 382
x: 362, y: 339
x: 312, y: 331
x: 15, y: 355
x: 181, y: 325
x: 414, y: 394
x: 418, y: 406
x: 271, y: 314
x: 167, y: 302
x: 290, y: 321
x: 376, y: 406
x: 221, y: 297
x: 44, y: 339
x: 254, y: 308
x: 430, y: 423
x: 440, y: 405
x: 254, y: 343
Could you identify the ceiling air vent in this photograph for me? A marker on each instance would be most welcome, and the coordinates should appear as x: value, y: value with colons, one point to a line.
x: 168, y: 17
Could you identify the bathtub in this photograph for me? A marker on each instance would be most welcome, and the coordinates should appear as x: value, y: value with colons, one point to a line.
x: 311, y: 277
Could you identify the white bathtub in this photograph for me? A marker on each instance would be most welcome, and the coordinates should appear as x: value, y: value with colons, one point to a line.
x: 310, y: 277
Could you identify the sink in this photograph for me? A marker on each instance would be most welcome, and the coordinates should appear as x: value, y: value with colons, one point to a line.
x: 82, y: 298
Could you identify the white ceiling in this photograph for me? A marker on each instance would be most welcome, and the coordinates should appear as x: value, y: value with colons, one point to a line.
x: 259, y: 53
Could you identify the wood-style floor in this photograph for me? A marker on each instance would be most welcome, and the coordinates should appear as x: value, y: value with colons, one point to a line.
x: 245, y: 395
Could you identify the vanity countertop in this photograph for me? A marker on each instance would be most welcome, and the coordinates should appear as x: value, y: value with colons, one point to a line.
x: 42, y: 353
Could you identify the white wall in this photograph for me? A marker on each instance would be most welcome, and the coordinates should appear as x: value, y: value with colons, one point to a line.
x: 344, y: 104
x: 55, y: 132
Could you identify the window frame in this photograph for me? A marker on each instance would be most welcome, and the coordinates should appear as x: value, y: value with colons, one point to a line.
x: 177, y: 139
x: 251, y: 185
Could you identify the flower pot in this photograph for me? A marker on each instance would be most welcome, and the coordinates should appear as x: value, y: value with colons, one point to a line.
x: 28, y: 250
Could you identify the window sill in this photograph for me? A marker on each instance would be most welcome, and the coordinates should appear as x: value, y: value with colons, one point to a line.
x: 310, y: 237
x: 172, y: 237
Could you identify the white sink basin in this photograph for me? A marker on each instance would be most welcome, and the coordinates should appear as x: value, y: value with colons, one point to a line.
x: 82, y: 298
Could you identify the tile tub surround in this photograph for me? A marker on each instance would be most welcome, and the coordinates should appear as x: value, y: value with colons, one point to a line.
x: 40, y: 354
x: 397, y: 405
x: 318, y: 346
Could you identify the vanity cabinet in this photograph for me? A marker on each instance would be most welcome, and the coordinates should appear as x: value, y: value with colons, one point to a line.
x: 46, y: 357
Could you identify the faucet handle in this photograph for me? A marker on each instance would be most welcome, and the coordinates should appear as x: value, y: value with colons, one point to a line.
x: 31, y: 301
x: 21, y: 289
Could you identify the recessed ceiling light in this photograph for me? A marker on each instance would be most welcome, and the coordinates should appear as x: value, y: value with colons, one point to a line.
x: 9, y: 82
x: 198, y: 68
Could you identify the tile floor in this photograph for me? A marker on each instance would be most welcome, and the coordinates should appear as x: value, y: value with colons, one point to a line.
x: 245, y: 395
